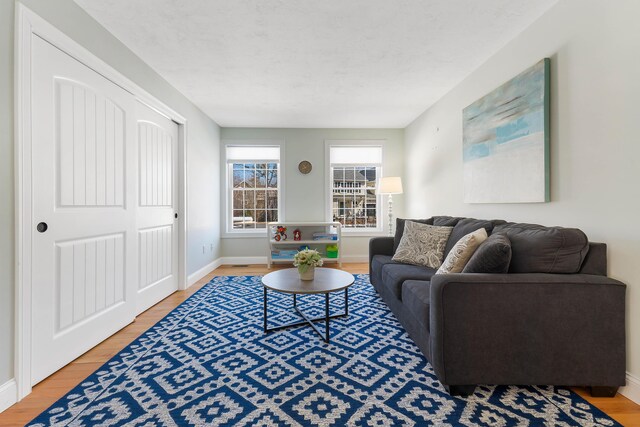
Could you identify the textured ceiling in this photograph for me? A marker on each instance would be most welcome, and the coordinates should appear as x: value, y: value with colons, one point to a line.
x: 320, y: 63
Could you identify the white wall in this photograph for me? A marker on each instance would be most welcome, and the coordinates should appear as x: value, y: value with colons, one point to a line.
x: 202, y: 145
x: 203, y: 197
x: 6, y: 191
x: 594, y: 46
x: 304, y: 198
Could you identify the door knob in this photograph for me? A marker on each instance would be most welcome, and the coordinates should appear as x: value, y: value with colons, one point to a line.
x: 42, y: 227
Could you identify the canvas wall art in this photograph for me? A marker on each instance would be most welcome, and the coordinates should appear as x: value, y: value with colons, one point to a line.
x: 506, y: 141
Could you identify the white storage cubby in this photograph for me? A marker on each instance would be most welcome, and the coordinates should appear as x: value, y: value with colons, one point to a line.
x: 282, y: 251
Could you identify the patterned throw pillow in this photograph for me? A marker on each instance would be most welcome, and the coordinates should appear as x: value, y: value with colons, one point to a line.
x: 422, y: 244
x: 462, y: 252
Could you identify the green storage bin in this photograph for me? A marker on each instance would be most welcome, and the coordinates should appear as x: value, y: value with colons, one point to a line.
x: 332, y: 251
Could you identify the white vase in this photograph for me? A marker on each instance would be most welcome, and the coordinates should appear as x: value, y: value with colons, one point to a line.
x: 307, y: 275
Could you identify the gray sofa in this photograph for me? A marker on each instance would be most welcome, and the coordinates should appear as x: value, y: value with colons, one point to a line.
x: 554, y: 318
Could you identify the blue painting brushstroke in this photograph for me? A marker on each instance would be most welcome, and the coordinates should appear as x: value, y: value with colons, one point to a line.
x: 512, y: 111
x: 476, y: 151
x: 523, y: 126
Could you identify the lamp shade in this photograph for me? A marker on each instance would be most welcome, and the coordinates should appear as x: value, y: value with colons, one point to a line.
x: 390, y: 185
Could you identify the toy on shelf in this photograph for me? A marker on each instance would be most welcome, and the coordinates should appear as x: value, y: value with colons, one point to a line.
x: 324, y: 237
x: 281, y: 233
x: 332, y: 251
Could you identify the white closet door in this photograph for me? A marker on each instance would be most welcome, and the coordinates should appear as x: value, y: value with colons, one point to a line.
x: 85, y: 263
x: 157, y: 206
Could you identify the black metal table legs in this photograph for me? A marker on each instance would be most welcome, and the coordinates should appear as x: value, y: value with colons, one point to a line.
x: 308, y: 321
x: 326, y: 318
x: 264, y: 308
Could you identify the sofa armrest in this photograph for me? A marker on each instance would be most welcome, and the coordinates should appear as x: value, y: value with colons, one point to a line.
x: 562, y: 329
x: 596, y: 260
x: 380, y: 246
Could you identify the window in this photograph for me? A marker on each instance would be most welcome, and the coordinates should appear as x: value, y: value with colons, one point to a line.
x: 354, y: 171
x: 253, y: 187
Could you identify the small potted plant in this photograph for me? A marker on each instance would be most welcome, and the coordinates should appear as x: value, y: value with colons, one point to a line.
x: 307, y: 260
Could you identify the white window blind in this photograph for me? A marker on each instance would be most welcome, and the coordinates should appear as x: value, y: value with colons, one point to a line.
x: 356, y: 155
x: 237, y: 153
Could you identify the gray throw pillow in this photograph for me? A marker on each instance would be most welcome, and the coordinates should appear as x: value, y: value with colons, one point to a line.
x: 422, y: 244
x: 492, y: 256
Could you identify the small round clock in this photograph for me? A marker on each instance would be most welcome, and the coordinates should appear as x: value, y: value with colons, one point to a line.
x: 305, y: 167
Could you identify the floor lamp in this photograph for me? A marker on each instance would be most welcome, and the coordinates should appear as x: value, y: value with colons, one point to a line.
x: 390, y: 185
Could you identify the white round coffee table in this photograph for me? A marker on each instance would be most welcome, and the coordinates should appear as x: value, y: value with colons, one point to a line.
x: 326, y: 280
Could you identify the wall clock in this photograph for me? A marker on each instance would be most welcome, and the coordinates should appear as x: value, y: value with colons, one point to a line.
x: 305, y: 167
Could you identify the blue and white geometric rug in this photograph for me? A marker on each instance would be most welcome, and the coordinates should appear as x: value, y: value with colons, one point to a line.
x: 209, y: 363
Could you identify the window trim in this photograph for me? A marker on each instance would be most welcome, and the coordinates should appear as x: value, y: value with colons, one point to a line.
x: 227, y: 214
x: 328, y: 187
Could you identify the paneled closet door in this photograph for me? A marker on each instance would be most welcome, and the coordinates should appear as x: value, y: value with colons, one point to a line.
x: 157, y: 141
x: 84, y: 202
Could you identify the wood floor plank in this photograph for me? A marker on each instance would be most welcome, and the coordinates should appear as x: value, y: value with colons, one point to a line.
x: 57, y: 385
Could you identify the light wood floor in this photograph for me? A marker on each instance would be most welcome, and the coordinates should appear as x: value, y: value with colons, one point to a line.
x: 57, y: 385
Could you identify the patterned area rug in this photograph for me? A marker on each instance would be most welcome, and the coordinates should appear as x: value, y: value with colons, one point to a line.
x: 209, y: 363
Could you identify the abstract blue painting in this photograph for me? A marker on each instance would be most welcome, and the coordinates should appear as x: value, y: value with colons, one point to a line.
x: 506, y: 141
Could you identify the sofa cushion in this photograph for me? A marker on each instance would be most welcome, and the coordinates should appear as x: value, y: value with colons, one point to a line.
x: 464, y: 227
x: 377, y: 263
x: 400, y: 229
x: 497, y: 222
x: 393, y: 275
x: 415, y: 295
x: 422, y: 244
x: 446, y: 221
x: 539, y: 249
x: 462, y: 252
x: 492, y: 256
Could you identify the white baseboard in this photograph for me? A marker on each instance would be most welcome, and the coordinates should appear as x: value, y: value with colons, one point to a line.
x: 355, y: 258
x: 632, y: 390
x: 244, y: 260
x: 194, y: 277
x: 8, y: 394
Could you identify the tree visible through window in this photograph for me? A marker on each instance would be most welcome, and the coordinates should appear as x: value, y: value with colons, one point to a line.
x: 254, y: 201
